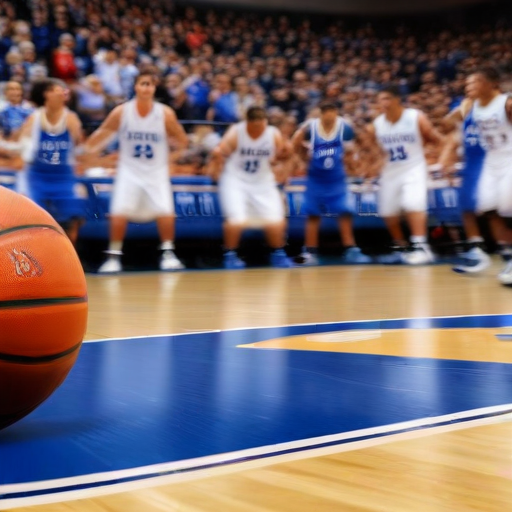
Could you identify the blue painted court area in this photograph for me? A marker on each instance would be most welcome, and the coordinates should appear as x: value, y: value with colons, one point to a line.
x: 138, y: 402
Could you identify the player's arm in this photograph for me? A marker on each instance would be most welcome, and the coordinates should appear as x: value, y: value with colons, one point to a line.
x: 175, y: 130
x: 283, y: 153
x: 457, y: 115
x: 107, y: 131
x: 225, y: 148
x: 26, y: 144
x: 448, y: 157
x: 376, y: 156
x: 428, y: 132
x: 299, y: 142
x: 508, y: 108
x: 350, y: 153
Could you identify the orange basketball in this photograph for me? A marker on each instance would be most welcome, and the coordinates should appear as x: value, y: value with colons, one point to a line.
x: 43, y: 306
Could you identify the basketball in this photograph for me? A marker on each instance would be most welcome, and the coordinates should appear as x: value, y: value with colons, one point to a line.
x: 43, y: 306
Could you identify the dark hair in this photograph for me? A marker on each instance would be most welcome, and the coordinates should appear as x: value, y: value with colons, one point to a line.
x: 143, y: 74
x: 394, y: 90
x: 255, y: 113
x: 327, y: 105
x: 41, y: 87
x: 490, y: 74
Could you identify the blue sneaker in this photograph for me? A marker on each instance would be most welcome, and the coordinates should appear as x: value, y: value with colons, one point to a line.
x: 279, y: 259
x: 472, y: 262
x: 354, y: 255
x: 232, y: 261
x: 393, y: 258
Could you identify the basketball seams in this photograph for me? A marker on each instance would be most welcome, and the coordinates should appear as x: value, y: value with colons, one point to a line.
x: 11, y: 358
x: 45, y: 301
x: 30, y: 226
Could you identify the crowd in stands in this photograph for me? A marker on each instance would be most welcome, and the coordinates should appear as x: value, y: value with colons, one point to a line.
x: 213, y: 64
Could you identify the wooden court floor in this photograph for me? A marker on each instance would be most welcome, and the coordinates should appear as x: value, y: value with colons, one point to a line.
x: 443, y: 469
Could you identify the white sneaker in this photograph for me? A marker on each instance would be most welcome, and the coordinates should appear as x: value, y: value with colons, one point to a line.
x: 307, y: 259
x: 420, y: 255
x: 169, y: 261
x: 111, y: 266
x: 505, y: 276
x: 472, y: 262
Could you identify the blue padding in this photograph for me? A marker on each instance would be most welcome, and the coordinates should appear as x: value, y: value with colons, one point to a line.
x: 199, y: 215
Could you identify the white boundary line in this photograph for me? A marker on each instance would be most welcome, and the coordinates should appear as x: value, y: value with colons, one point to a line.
x: 233, y: 462
x: 285, y: 326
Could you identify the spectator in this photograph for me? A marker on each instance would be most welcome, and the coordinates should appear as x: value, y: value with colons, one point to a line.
x: 63, y: 61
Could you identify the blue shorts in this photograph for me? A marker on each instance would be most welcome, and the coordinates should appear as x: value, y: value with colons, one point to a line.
x: 468, y: 188
x: 55, y: 194
x: 326, y: 199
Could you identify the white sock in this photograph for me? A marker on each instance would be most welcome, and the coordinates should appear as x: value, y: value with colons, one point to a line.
x: 115, y: 249
x: 418, y: 240
x: 167, y: 245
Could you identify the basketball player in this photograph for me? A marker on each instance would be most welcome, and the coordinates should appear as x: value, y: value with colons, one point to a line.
x: 248, y: 192
x: 47, y: 141
x: 492, y: 112
x: 401, y: 133
x: 330, y: 139
x: 142, y: 189
x: 467, y: 137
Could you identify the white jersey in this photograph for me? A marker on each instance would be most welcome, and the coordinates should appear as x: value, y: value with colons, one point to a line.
x: 401, y: 140
x: 143, y: 145
x: 495, y: 132
x: 250, y: 161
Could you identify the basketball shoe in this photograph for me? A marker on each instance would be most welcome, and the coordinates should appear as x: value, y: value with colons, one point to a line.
x: 111, y: 266
x: 169, y: 262
x: 473, y: 261
x: 232, y: 261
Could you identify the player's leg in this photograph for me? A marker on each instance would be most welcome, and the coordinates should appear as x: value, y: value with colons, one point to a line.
x: 166, y: 230
x: 474, y: 259
x: 158, y: 202
x: 312, y: 208
x: 505, y: 212
x: 268, y: 205
x: 117, y: 232
x: 124, y: 203
x: 414, y: 198
x: 233, y: 202
x: 389, y: 208
x: 338, y: 203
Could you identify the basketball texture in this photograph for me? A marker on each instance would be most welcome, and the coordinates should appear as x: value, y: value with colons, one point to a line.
x: 43, y: 306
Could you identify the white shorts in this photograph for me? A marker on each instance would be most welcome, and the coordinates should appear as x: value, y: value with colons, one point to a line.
x: 250, y: 203
x: 141, y: 200
x: 494, y: 190
x: 404, y: 190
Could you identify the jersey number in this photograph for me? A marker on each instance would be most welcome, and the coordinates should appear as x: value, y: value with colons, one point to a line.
x: 251, y: 166
x: 397, y: 154
x: 142, y: 150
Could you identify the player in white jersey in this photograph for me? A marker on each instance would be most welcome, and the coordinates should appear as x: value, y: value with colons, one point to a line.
x: 400, y: 133
x: 248, y: 191
x: 492, y: 113
x: 142, y: 189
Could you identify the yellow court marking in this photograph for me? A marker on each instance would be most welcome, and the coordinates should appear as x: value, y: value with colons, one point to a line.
x: 460, y: 344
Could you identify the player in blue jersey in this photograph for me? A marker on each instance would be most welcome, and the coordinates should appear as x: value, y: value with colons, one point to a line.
x: 330, y: 140
x: 48, y: 139
x: 15, y: 112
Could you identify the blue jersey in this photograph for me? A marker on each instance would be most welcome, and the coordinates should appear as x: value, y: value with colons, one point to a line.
x: 326, y: 163
x: 474, y: 154
x: 12, y: 118
x: 50, y: 176
x: 54, y: 153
